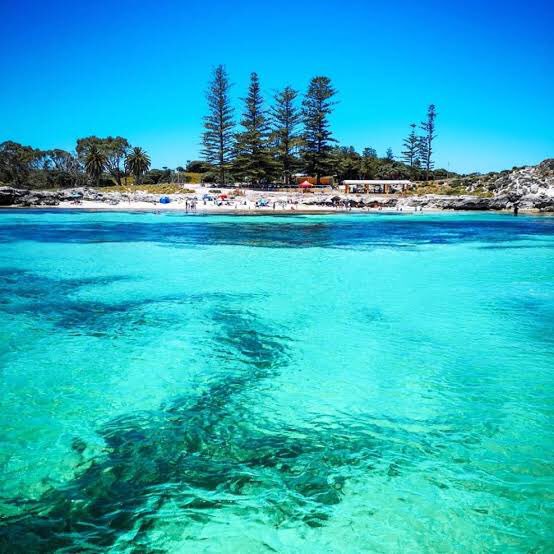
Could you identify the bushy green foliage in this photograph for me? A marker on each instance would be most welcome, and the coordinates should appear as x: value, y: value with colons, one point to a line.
x: 347, y: 163
x: 137, y: 162
x: 109, y: 152
x: 24, y: 166
x: 197, y: 166
x: 161, y: 188
x: 155, y: 176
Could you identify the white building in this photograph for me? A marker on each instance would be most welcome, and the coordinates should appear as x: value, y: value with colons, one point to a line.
x: 379, y: 186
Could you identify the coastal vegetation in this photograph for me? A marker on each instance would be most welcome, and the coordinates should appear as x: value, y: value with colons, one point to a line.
x: 273, y: 141
x: 217, y: 140
x: 286, y: 119
x: 137, y: 163
x: 253, y: 160
x: 96, y: 161
x: 270, y: 144
x: 447, y: 187
x: 317, y: 139
x: 165, y: 188
x: 293, y: 135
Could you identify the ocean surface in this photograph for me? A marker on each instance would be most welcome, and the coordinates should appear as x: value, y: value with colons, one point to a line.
x: 348, y: 383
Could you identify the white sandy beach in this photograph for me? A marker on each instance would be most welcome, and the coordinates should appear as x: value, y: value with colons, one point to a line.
x: 211, y: 208
x: 245, y: 202
x: 211, y: 199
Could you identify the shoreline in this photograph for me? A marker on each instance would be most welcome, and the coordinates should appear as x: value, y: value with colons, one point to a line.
x: 204, y: 200
x: 139, y: 207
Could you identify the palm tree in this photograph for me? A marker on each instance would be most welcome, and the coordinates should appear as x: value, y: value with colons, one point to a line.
x: 95, y: 162
x: 137, y: 162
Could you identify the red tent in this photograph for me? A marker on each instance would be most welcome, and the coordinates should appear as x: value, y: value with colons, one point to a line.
x: 305, y: 185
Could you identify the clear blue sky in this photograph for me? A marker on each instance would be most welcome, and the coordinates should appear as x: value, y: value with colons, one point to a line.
x: 140, y: 69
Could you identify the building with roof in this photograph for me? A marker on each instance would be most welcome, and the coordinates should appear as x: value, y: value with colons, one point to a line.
x: 376, y: 186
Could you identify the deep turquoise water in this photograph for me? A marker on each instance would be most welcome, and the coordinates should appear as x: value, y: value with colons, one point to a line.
x: 346, y: 383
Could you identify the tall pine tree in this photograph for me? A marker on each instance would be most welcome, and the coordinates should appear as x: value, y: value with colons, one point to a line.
x: 217, y: 140
x: 253, y: 154
x: 285, y: 118
x: 426, y: 142
x: 410, y: 153
x: 316, y: 108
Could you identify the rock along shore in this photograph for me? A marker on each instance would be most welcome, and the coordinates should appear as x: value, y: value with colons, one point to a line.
x: 91, y: 198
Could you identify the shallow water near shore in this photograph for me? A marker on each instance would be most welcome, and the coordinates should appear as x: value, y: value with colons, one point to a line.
x: 345, y: 383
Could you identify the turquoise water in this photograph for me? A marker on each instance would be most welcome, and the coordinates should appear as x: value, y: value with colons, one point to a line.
x: 346, y: 383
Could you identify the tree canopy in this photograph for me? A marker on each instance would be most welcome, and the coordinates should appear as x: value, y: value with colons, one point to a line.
x: 137, y: 163
x: 114, y: 149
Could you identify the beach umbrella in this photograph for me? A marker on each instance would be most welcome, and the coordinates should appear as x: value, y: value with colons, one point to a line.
x: 305, y: 185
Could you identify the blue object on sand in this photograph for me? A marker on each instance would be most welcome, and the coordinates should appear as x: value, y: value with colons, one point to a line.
x: 165, y: 200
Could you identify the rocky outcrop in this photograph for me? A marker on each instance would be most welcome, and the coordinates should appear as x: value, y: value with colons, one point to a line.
x: 530, y: 187
x: 538, y: 202
x: 523, y: 182
x: 351, y: 201
x: 444, y: 202
x: 10, y: 196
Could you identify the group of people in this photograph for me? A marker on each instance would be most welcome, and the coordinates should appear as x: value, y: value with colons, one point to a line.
x: 190, y: 204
